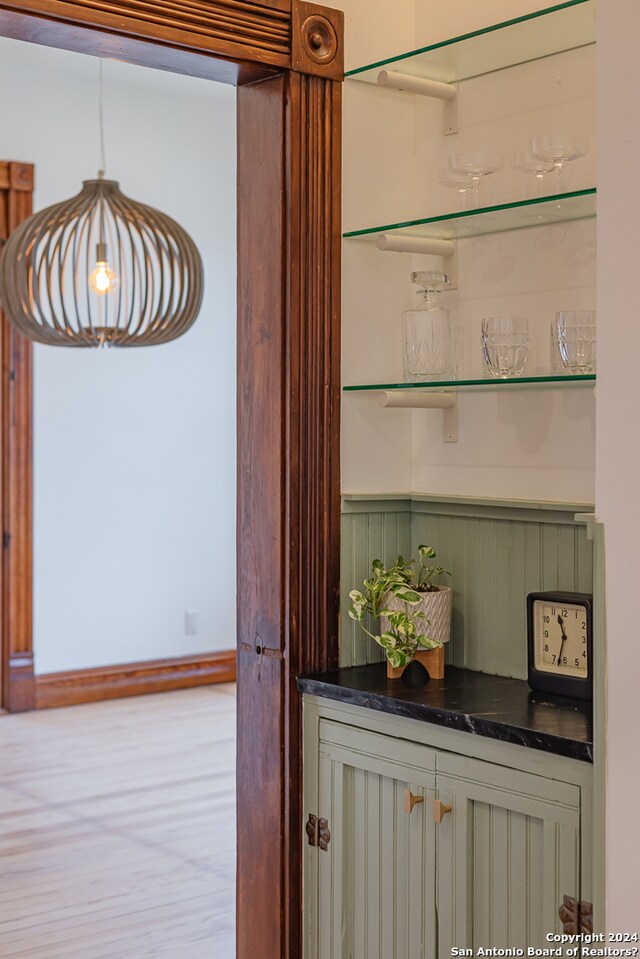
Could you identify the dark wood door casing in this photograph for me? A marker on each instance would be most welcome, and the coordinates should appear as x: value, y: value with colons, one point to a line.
x: 286, y: 57
x: 232, y: 41
x: 238, y: 33
x: 288, y: 472
x: 18, y: 689
x: 314, y: 250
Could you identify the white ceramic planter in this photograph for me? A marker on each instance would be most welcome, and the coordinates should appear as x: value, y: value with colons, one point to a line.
x: 437, y: 608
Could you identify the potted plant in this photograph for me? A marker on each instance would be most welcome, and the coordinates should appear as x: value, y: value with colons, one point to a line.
x: 414, y: 612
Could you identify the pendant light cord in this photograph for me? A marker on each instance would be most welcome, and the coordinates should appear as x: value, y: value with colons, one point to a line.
x: 103, y: 161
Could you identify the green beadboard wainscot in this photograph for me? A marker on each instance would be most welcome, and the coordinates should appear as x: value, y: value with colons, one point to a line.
x: 497, y: 550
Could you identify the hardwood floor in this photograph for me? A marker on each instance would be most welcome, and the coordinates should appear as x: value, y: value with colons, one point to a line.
x: 117, y: 832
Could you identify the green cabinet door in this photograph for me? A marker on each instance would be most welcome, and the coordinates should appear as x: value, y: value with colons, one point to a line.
x: 507, y: 853
x: 376, y: 882
x: 394, y: 884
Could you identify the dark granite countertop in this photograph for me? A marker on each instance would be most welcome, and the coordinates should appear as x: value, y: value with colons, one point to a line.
x: 477, y: 703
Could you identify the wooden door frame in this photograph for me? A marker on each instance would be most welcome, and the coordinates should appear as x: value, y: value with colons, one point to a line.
x: 17, y: 689
x: 286, y: 58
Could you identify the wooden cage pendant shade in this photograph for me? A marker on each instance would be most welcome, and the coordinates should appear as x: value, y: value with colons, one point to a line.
x: 101, y: 269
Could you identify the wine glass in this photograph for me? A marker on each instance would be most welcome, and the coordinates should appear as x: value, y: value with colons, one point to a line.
x: 523, y: 161
x: 475, y: 166
x: 464, y: 187
x: 558, y: 148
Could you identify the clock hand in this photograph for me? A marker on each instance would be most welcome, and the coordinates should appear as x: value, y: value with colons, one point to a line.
x: 564, y: 637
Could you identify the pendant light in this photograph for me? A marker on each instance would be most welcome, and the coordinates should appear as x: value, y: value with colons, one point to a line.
x: 101, y: 269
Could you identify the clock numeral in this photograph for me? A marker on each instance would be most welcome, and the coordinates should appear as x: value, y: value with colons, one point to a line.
x: 584, y: 625
x: 577, y: 662
x: 584, y: 654
x: 546, y: 619
x: 584, y: 640
x: 565, y: 612
x: 546, y: 634
x: 546, y: 647
x: 564, y: 660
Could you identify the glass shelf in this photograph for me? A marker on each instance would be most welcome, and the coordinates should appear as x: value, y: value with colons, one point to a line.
x: 557, y: 379
x: 564, y: 26
x: 521, y: 215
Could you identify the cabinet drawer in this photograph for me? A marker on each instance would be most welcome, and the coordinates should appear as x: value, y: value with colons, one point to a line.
x: 479, y: 776
x: 376, y: 752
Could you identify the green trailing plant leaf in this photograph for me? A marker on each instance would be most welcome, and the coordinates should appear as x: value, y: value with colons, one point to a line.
x: 427, y: 643
x: 426, y: 552
x: 407, y: 595
x: 405, y: 626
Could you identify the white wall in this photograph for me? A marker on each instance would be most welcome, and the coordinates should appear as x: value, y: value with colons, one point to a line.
x: 618, y: 446
x: 526, y: 443
x: 134, y: 450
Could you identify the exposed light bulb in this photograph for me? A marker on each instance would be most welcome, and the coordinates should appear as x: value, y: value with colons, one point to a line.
x: 102, y: 278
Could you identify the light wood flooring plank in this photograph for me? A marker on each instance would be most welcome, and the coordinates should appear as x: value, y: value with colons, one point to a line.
x: 117, y: 829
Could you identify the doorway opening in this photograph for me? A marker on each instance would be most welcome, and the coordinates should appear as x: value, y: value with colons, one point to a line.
x: 134, y: 571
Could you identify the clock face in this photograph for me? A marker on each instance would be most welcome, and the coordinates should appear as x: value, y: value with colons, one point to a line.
x: 560, y: 638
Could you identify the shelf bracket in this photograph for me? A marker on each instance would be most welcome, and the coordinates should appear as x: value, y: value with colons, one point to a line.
x: 589, y: 519
x: 426, y: 88
x: 447, y: 249
x: 450, y: 115
x: 426, y: 400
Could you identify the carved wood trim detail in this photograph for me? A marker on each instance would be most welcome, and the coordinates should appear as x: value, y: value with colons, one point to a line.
x: 314, y: 128
x: 18, y: 689
x: 234, y: 29
x: 314, y: 363
x: 317, y: 40
x: 289, y: 436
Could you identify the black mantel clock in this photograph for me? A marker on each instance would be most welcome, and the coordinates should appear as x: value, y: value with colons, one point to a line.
x: 560, y: 643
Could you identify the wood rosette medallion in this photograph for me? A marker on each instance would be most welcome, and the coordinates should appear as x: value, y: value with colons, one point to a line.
x: 317, y: 41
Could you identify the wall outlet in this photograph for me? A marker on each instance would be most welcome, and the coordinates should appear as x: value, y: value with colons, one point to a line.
x: 191, y: 622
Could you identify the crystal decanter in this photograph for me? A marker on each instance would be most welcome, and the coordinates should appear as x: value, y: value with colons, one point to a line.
x: 428, y: 348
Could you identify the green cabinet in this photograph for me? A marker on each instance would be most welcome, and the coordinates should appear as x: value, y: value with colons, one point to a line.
x: 395, y: 884
x: 374, y: 892
x: 507, y: 854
